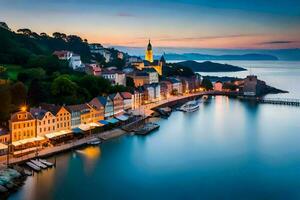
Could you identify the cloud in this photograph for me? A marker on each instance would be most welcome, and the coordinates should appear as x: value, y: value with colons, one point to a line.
x: 124, y: 14
x: 205, y: 37
x: 278, y: 42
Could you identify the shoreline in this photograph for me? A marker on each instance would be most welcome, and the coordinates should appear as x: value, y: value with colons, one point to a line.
x: 106, y: 135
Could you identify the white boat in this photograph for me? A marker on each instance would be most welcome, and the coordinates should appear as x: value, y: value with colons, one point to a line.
x: 45, y: 162
x: 190, y: 106
x: 39, y: 164
x: 33, y: 166
x: 94, y: 141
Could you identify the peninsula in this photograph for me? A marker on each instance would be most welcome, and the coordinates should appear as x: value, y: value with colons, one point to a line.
x: 209, y: 66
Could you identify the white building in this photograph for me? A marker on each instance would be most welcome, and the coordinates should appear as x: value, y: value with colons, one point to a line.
x: 152, y: 93
x: 127, y: 98
x: 176, y: 85
x: 63, y: 55
x: 75, y: 62
x: 115, y: 77
x: 96, y: 48
x: 153, y: 75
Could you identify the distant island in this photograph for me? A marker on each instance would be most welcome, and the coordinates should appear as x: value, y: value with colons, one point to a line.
x: 208, y: 66
x: 197, y: 56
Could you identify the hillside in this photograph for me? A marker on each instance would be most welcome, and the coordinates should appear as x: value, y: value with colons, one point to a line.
x: 209, y: 66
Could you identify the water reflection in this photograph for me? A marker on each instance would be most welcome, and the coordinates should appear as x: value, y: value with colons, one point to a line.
x: 90, y: 156
x: 238, y: 149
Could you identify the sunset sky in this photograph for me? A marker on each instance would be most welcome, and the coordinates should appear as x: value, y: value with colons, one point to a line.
x: 169, y: 23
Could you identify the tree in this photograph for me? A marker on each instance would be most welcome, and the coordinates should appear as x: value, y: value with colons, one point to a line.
x: 206, y: 83
x: 31, y: 74
x: 37, y: 92
x: 3, y: 73
x: 58, y: 35
x: 130, y: 82
x: 5, y: 102
x: 62, y: 86
x: 18, y: 94
x: 24, y: 31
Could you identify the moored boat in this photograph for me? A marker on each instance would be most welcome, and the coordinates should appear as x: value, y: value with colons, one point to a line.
x: 45, y: 162
x: 39, y: 164
x: 94, y: 141
x: 190, y: 106
x: 33, y: 166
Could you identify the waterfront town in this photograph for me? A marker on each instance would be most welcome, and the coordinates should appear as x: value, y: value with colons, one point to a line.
x: 47, y: 128
x: 48, y: 124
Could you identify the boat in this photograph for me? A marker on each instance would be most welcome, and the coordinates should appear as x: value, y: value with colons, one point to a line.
x: 94, y: 141
x: 190, y: 106
x: 164, y: 112
x: 147, y: 128
x: 45, y: 162
x: 39, y: 164
x: 27, y: 172
x: 33, y: 166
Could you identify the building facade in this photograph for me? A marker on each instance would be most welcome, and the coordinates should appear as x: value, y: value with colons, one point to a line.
x: 22, y: 126
x: 45, y: 121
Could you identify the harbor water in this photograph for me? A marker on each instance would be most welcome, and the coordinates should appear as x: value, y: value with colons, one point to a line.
x: 228, y: 149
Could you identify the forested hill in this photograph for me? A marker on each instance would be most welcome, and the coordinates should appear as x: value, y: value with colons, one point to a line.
x: 17, y: 48
x: 208, y: 66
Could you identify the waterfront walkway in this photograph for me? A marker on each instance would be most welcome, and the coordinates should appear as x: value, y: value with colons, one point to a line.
x: 144, y: 110
x: 48, y: 151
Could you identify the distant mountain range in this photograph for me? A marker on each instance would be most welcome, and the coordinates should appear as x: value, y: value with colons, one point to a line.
x: 280, y: 54
x: 197, y: 56
x: 208, y: 66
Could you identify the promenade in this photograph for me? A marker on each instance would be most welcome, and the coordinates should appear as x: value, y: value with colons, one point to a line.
x: 145, y: 110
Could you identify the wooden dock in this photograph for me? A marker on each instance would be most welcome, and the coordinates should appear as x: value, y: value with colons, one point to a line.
x: 280, y: 101
x: 275, y: 101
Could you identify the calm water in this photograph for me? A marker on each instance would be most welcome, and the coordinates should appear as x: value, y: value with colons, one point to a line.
x: 226, y: 150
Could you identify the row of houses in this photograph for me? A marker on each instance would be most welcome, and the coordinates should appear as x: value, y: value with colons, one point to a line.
x: 34, y: 125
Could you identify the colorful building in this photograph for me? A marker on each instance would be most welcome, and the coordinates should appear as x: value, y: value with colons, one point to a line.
x: 63, y: 116
x: 22, y: 126
x: 118, y: 103
x: 45, y: 121
x: 127, y: 99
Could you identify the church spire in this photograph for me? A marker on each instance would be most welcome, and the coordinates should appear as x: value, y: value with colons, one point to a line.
x: 149, y: 48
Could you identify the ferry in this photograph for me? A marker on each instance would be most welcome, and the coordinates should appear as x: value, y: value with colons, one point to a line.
x: 190, y: 106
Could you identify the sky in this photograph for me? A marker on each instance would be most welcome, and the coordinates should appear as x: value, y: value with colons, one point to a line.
x: 229, y: 24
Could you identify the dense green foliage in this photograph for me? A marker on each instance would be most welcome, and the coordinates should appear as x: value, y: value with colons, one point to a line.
x: 12, y: 97
x: 207, y: 84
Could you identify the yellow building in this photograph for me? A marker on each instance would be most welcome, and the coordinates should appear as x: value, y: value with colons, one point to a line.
x: 63, y: 119
x: 149, y: 62
x: 149, y: 53
x: 22, y: 126
x: 96, y: 112
x: 85, y: 116
x: 62, y: 115
x: 45, y: 121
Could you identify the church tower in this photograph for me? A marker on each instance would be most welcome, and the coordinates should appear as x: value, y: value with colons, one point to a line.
x: 149, y: 53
